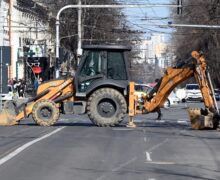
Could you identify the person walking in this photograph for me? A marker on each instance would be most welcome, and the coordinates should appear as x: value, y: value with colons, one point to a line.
x: 36, y: 84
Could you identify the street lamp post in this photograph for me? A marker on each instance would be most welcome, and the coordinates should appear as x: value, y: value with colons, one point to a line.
x: 80, y: 6
x: 1, y: 78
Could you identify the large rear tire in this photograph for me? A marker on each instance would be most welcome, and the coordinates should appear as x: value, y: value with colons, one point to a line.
x: 106, y: 107
x: 45, y: 113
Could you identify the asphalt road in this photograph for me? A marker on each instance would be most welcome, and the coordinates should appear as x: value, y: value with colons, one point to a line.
x: 75, y: 149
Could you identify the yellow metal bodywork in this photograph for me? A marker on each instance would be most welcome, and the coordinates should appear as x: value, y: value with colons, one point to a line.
x: 53, y: 89
x: 173, y: 77
x: 56, y: 88
x: 202, y: 79
x: 64, y: 89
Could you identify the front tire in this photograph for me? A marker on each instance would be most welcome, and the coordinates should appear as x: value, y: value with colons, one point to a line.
x: 106, y: 107
x: 45, y: 113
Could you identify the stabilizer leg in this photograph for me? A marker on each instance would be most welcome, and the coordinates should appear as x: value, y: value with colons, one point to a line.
x: 131, y: 123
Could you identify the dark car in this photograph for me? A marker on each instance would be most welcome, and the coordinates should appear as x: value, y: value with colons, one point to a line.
x: 217, y: 94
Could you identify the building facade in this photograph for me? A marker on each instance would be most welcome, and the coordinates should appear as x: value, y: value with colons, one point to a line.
x: 152, y: 50
x: 24, y: 27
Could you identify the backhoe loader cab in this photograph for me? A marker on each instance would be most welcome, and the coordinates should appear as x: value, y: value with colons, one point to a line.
x: 101, y: 84
x: 101, y: 88
x: 102, y: 66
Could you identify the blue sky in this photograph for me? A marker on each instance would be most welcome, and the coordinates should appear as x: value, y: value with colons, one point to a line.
x: 155, y: 16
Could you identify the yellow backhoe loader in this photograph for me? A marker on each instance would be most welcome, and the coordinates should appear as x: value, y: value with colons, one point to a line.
x: 101, y: 88
x: 173, y: 76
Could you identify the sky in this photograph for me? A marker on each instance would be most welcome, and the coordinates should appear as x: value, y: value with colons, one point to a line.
x: 153, y: 16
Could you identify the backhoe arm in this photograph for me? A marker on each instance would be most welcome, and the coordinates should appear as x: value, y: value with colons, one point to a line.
x: 203, y: 79
x: 170, y: 80
x: 173, y: 76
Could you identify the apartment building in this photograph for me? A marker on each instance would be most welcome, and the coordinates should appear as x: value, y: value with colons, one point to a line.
x: 24, y: 23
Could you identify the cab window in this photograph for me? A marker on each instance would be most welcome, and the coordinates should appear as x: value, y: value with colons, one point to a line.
x: 116, y: 66
x: 92, y: 65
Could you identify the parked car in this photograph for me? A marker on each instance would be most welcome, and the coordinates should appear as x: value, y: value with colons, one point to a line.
x: 173, y: 98
x: 6, y: 97
x: 217, y: 94
x: 144, y: 89
x: 193, y: 93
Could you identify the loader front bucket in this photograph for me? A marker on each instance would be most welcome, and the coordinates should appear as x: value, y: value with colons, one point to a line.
x: 8, y: 114
x: 202, y: 119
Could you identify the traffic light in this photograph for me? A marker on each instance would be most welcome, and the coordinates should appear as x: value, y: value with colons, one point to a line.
x: 179, y: 8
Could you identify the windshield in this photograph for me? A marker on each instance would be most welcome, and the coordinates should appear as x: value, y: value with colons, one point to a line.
x: 143, y: 88
x: 192, y: 86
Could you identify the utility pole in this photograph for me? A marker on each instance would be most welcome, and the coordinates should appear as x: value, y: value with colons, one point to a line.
x: 1, y: 79
x: 79, y: 49
x: 1, y: 48
x: 10, y: 37
x: 79, y: 6
x: 179, y: 8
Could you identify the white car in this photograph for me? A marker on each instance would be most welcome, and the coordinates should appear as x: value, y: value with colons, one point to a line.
x: 143, y: 89
x: 172, y: 100
x: 5, y: 97
x: 193, y: 93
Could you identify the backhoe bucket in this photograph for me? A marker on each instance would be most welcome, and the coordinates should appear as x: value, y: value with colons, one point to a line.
x: 201, y: 119
x: 8, y: 114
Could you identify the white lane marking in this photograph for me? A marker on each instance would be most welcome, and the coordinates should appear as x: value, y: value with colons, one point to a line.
x: 124, y: 164
x: 160, y: 121
x: 60, y: 120
x: 25, y: 146
x: 148, y: 158
x: 183, y: 119
x: 118, y: 168
x: 179, y: 121
x: 123, y: 129
x: 158, y: 145
x: 67, y: 120
x: 160, y: 162
x: 182, y: 122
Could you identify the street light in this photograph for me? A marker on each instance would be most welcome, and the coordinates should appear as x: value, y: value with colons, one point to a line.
x: 1, y: 78
x: 80, y: 6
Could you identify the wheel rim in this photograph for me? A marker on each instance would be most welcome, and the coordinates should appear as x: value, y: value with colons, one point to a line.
x: 45, y: 113
x: 107, y: 108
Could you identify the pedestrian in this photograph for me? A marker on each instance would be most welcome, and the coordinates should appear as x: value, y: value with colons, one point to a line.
x: 19, y: 87
x: 22, y: 88
x: 40, y: 80
x: 10, y: 85
x: 36, y: 84
x: 153, y: 93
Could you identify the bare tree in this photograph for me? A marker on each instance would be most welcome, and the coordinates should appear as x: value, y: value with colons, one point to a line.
x: 100, y: 26
x: 206, y: 40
